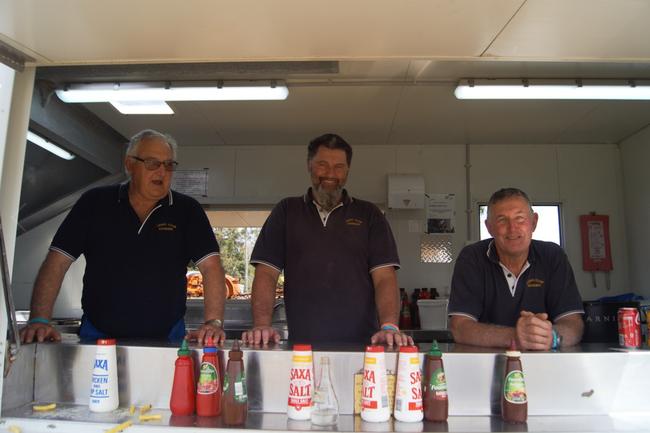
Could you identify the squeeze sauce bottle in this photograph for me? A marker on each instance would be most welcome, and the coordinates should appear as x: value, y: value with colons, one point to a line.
x: 301, y: 383
x: 374, y: 391
x: 408, y: 391
x: 103, y: 389
x: 514, y: 401
x: 235, y: 395
x: 208, y: 389
x: 436, y: 403
x: 182, y: 400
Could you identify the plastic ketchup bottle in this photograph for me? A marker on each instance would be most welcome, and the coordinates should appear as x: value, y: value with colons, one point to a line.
x: 514, y: 401
x: 182, y: 400
x: 436, y: 403
x: 235, y: 396
x: 208, y: 389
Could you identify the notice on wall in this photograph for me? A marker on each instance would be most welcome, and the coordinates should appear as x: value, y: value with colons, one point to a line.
x: 191, y: 182
x: 441, y: 213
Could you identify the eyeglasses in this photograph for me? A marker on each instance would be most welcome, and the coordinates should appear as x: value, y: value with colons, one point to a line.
x: 153, y: 164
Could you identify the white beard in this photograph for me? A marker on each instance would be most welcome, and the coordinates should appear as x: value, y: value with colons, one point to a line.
x: 327, y: 199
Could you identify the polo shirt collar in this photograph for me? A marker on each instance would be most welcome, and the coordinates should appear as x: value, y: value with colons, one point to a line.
x: 123, y: 195
x: 493, y: 256
x: 345, y: 197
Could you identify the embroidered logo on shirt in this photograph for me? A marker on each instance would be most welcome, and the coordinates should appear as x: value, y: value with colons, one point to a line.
x: 166, y: 227
x: 534, y: 282
x: 353, y: 222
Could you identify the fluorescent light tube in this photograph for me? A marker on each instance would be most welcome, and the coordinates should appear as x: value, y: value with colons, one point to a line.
x: 142, y: 107
x: 124, y: 92
x: 49, y: 146
x: 492, y: 90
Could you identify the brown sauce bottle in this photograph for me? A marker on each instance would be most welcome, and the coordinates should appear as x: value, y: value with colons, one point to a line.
x: 436, y: 403
x: 514, y: 400
x: 235, y: 395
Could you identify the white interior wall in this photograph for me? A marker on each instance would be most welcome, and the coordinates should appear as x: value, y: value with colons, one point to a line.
x: 582, y: 177
x: 635, y: 155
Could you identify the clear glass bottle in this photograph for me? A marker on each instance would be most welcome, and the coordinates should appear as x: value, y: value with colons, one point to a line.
x: 326, y: 407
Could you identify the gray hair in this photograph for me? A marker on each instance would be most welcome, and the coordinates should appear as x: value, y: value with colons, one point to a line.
x: 145, y: 134
x: 506, y: 193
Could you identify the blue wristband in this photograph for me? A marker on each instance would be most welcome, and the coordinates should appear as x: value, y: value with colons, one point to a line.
x: 556, y: 340
x: 389, y: 327
x: 38, y: 320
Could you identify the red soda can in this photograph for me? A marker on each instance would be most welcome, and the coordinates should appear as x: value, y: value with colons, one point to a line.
x: 629, y: 327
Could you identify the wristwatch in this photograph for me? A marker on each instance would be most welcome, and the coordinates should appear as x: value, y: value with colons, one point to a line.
x: 214, y: 322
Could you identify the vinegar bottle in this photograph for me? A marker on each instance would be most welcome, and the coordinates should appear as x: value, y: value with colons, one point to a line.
x: 326, y: 406
x: 208, y: 390
x: 514, y: 401
x: 182, y: 400
x: 436, y: 403
x: 235, y: 395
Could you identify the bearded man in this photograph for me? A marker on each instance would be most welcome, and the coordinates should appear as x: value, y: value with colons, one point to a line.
x: 339, y: 259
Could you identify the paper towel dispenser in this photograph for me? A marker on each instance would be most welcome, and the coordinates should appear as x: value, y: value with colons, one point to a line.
x: 405, y: 191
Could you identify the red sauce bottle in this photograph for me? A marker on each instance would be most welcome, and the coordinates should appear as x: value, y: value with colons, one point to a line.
x: 208, y: 389
x: 514, y: 401
x: 436, y: 403
x: 182, y: 400
x: 235, y: 395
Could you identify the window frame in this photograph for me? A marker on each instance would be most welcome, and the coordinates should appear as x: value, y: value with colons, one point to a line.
x: 557, y: 204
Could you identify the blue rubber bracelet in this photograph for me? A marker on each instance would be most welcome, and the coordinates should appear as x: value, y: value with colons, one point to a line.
x: 555, y: 343
x: 38, y: 320
x: 390, y: 328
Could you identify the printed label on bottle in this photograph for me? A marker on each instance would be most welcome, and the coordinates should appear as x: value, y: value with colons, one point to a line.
x: 241, y: 394
x: 300, y: 388
x: 208, y: 379
x: 438, y: 384
x: 514, y: 388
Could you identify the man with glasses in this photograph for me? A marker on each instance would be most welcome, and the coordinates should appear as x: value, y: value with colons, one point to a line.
x: 137, y: 239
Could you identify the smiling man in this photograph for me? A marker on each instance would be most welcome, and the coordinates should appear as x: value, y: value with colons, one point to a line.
x: 338, y: 256
x: 137, y: 238
x: 512, y: 287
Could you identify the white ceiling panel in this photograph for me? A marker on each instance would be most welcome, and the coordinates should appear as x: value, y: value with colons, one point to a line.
x: 521, y: 122
x: 577, y: 29
x: 81, y: 31
x: 608, y: 122
x: 361, y: 114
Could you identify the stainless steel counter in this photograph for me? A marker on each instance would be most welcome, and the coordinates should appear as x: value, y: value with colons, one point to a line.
x: 565, y: 389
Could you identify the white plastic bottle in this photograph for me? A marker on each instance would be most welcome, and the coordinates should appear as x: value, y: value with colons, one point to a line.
x: 374, y: 392
x: 103, y: 389
x: 301, y: 383
x: 408, y: 390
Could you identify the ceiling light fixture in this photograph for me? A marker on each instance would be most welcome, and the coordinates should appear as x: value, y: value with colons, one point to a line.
x: 49, y: 146
x: 177, y: 91
x: 553, y: 89
x: 142, y: 107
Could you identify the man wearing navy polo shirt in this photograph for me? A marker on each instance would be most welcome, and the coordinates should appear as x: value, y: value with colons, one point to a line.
x: 339, y: 260
x: 137, y: 238
x: 511, y: 287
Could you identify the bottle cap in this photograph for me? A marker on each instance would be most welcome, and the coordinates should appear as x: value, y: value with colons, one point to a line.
x: 184, y: 350
x: 512, y: 350
x: 408, y: 349
x: 235, y: 352
x: 302, y: 347
x: 435, y: 350
x: 106, y: 342
x: 375, y: 349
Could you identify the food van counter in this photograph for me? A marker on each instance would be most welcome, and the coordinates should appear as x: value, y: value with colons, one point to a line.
x: 587, y: 388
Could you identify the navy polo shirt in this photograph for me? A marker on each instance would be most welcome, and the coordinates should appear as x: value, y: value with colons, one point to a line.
x: 479, y: 288
x: 134, y: 283
x: 328, y: 291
